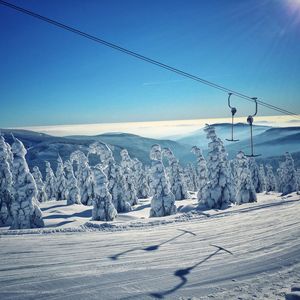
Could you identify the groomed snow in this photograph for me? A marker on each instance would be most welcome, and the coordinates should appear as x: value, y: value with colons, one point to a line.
x: 136, y: 257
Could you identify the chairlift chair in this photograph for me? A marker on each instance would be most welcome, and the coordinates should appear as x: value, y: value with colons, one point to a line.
x: 233, y: 112
x: 250, y: 120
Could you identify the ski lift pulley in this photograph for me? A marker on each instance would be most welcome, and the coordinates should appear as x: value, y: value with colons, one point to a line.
x: 250, y: 120
x: 233, y: 112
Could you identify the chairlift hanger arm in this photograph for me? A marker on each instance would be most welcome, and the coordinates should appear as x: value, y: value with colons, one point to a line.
x: 255, y: 100
x: 229, y: 95
x: 250, y: 122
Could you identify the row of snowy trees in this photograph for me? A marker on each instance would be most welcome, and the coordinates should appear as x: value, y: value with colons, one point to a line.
x: 108, y: 186
x: 221, y: 182
x: 112, y: 188
x: 218, y: 181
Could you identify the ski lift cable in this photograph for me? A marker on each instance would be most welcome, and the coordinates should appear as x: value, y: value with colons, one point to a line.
x: 146, y: 59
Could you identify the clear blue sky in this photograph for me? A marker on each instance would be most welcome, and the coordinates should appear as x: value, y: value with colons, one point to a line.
x: 50, y: 76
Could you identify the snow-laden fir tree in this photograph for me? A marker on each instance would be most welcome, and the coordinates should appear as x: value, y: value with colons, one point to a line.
x: 228, y: 172
x: 189, y: 177
x: 194, y: 177
x: 24, y: 208
x: 73, y: 196
x: 117, y: 187
x: 290, y: 183
x: 50, y: 182
x: 148, y: 178
x: 163, y: 200
x: 201, y: 171
x: 280, y: 177
x: 233, y: 168
x: 61, y: 182
x: 78, y: 159
x: 135, y: 171
x: 129, y: 189
x: 142, y: 187
x: 114, y: 175
x: 253, y: 167
x: 10, y: 156
x: 271, y: 183
x: 176, y: 178
x: 37, y: 175
x: 103, y: 208
x: 245, y: 188
x: 219, y: 190
x: 87, y: 192
x: 84, y: 177
x: 6, y: 183
x: 261, y: 179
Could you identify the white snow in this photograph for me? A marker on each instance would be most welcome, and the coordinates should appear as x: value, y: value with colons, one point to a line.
x: 136, y: 257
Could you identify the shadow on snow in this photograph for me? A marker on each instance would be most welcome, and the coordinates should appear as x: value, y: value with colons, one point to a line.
x: 183, y: 273
x: 152, y: 247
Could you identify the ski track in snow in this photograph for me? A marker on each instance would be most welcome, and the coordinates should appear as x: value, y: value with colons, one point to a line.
x: 155, y: 259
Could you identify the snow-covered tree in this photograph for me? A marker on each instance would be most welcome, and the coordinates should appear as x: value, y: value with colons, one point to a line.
x: 253, y: 167
x: 290, y: 183
x: 61, y: 182
x: 24, y: 208
x: 234, y: 167
x: 129, y: 189
x: 245, y: 188
x: 50, y: 182
x: 261, y: 179
x: 135, y: 168
x: 5, y: 183
x: 271, y: 184
x: 190, y: 177
x: 187, y: 178
x: 194, y: 177
x: 176, y: 178
x: 219, y: 190
x: 84, y: 177
x: 116, y: 184
x: 37, y: 175
x: 148, y: 178
x: 163, y: 200
x: 103, y: 208
x: 87, y: 192
x: 73, y: 196
x: 80, y: 160
x: 10, y: 157
x: 280, y: 177
x: 201, y: 171
x: 142, y: 187
x: 114, y: 175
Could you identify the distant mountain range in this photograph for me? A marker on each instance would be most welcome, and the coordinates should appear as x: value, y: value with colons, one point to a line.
x: 272, y: 143
x: 43, y: 147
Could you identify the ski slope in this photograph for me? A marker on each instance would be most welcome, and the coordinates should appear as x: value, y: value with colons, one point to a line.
x: 175, y: 257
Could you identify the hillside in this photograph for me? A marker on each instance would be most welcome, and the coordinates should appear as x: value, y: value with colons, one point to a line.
x: 271, y: 143
x: 43, y: 147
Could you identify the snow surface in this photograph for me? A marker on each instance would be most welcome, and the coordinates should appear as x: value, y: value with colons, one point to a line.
x: 173, y: 257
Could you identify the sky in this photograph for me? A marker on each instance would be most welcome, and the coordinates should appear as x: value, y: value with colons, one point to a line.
x: 50, y: 76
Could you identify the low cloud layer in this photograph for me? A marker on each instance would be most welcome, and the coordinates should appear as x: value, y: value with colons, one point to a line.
x: 157, y: 129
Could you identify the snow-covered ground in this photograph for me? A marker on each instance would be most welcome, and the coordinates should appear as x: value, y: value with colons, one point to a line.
x: 175, y: 257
